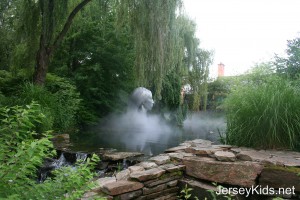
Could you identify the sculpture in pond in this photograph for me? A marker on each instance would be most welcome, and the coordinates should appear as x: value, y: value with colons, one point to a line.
x: 141, y: 98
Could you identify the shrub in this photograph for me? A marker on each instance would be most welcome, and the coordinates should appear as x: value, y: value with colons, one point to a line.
x: 59, y: 101
x: 23, y: 151
x: 264, y: 112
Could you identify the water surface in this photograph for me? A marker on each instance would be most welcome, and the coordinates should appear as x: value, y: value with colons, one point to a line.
x: 150, y: 134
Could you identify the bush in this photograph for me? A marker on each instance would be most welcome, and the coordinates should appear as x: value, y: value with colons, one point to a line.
x: 264, y: 112
x: 59, y: 101
x: 23, y: 151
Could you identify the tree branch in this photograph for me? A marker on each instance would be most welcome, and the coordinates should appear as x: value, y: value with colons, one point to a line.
x: 67, y: 25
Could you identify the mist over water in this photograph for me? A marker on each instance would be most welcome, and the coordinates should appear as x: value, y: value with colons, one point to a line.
x: 151, y: 133
x: 205, y: 125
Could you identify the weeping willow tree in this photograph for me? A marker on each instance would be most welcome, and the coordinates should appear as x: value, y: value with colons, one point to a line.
x: 41, y: 26
x: 197, y: 62
x: 152, y: 23
x: 198, y: 75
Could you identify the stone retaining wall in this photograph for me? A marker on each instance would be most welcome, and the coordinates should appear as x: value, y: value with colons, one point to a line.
x: 198, y: 164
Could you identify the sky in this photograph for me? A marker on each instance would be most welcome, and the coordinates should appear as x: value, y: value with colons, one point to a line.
x: 244, y: 32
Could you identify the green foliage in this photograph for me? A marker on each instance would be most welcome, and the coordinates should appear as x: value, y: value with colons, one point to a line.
x: 59, y: 99
x: 23, y: 151
x: 264, y: 106
x: 185, y: 193
x: 100, y: 62
x: 290, y: 66
x: 218, y: 91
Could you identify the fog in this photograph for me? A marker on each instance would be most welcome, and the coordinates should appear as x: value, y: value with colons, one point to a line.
x: 152, y: 134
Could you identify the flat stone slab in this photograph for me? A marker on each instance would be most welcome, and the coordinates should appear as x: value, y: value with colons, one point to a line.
x: 283, y: 158
x: 233, y: 173
x: 123, y: 175
x: 147, y: 174
x: 135, y: 168
x: 114, y: 156
x: 172, y: 167
x: 202, y: 151
x: 252, y: 155
x: 147, y: 165
x: 160, y: 159
x: 100, y: 182
x: 130, y: 195
x: 200, y: 141
x: 179, y: 155
x: 174, y: 149
x: 121, y: 187
x: 226, y: 156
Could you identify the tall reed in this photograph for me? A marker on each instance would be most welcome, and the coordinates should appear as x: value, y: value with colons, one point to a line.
x: 264, y: 113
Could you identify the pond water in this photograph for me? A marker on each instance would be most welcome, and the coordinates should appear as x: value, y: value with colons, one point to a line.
x: 148, y: 133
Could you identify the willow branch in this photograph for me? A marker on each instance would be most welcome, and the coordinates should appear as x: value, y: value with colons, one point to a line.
x: 67, y: 25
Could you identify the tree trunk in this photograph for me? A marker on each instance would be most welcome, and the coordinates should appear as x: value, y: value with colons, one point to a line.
x: 46, y: 50
x: 42, y: 63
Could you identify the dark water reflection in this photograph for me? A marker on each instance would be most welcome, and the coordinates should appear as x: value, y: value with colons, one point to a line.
x: 150, y: 134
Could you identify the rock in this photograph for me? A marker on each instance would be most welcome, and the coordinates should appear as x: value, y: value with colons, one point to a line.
x: 135, y: 168
x: 147, y: 174
x: 202, y: 151
x: 159, y: 195
x: 225, y: 156
x: 155, y: 182
x: 174, y: 149
x: 172, y: 196
x: 202, y: 189
x: 222, y: 146
x: 157, y: 188
x: 61, y: 142
x: 123, y: 175
x: 233, y: 173
x: 187, y: 144
x: 130, y: 195
x: 147, y: 165
x: 200, y: 142
x: 61, y: 137
x: 285, y: 161
x: 115, y: 156
x: 179, y: 155
x: 89, y: 195
x: 160, y: 159
x: 283, y: 158
x: 121, y: 187
x: 172, y: 183
x: 280, y: 177
x: 103, y: 181
x: 172, y: 167
x: 252, y: 155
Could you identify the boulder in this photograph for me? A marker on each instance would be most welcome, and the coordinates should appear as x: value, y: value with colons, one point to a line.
x: 280, y: 177
x: 233, y: 173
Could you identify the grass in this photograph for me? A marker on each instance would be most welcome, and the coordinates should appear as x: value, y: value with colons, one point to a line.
x: 264, y: 114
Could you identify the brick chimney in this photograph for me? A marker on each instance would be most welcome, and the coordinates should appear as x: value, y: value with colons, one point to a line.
x: 221, y: 69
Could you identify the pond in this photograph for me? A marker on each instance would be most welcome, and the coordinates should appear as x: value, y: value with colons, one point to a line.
x: 148, y: 133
